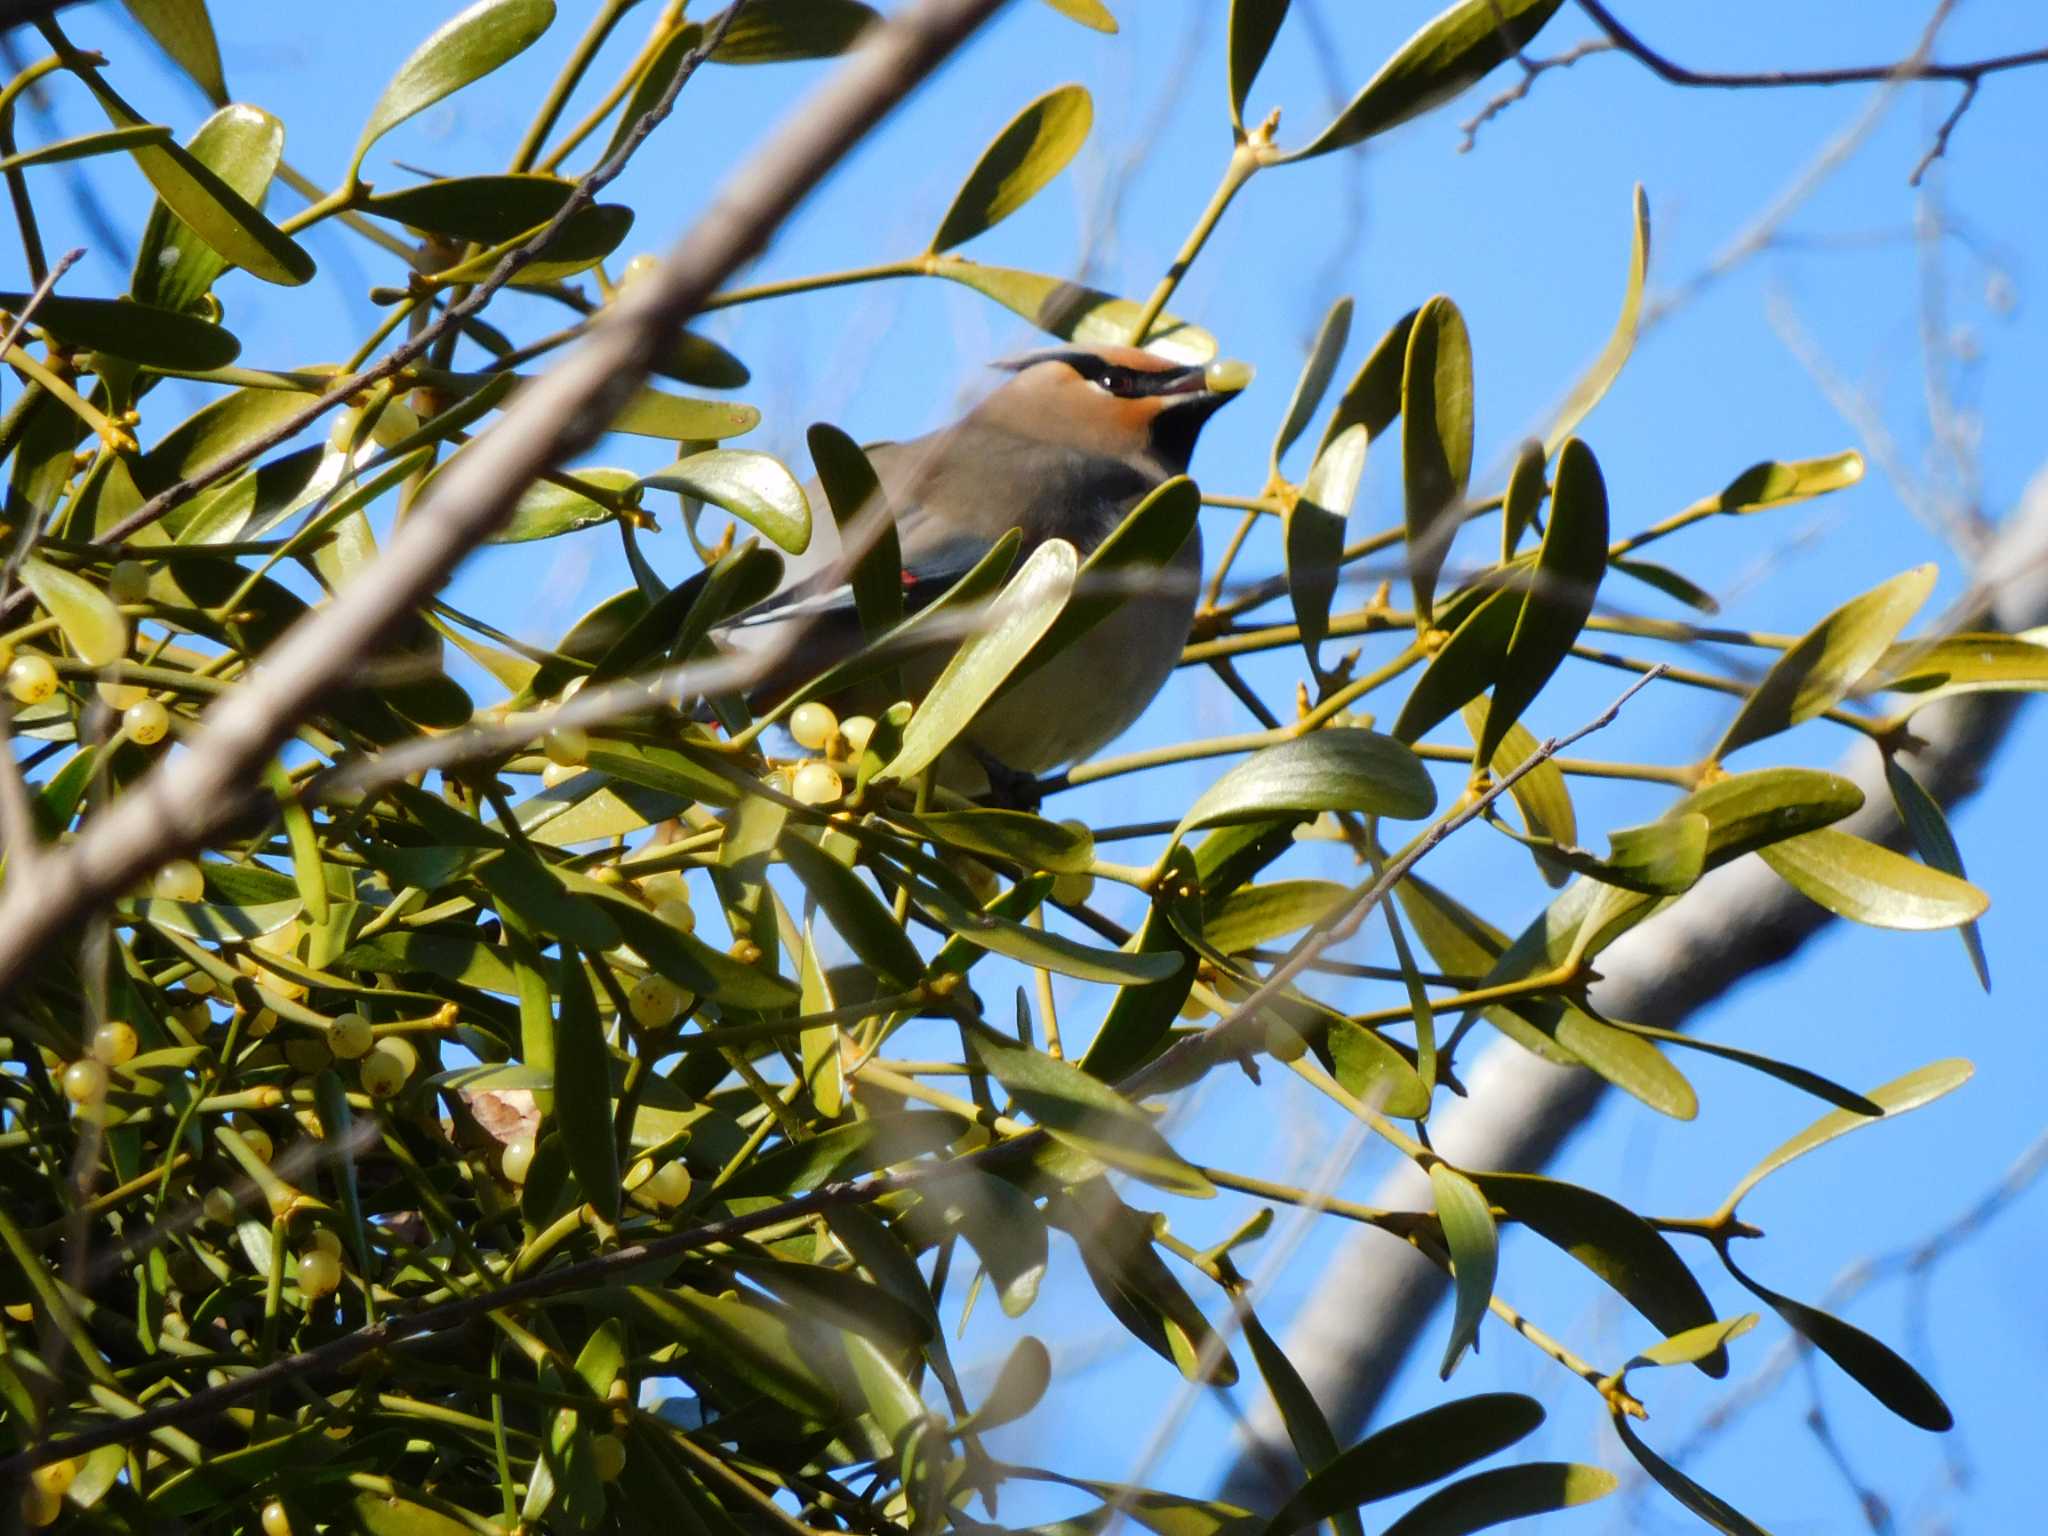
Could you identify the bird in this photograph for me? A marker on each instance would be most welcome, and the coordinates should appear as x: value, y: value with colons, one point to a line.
x: 1073, y: 439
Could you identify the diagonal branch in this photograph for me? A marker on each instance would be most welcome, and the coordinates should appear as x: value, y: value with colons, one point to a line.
x: 184, y: 799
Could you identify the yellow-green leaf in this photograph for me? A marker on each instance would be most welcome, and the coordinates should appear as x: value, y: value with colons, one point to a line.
x: 1599, y: 378
x: 1868, y: 883
x: 1373, y: 397
x: 1313, y: 534
x: 754, y: 487
x: 1928, y: 827
x: 174, y: 267
x: 546, y: 510
x: 1436, y: 440
x: 85, y: 145
x: 1771, y: 484
x: 1086, y: 1113
x: 1561, y: 591
x: 159, y: 338
x: 87, y: 616
x: 1409, y: 1454
x: 1448, y: 54
x: 1474, y: 1244
x: 1506, y: 1493
x: 463, y: 49
x: 1328, y: 770
x: 1019, y: 1385
x: 1074, y: 313
x: 1938, y: 669
x: 1829, y: 660
x: 1921, y: 1086
x: 1525, y: 493
x: 1027, y: 154
x: 1004, y: 636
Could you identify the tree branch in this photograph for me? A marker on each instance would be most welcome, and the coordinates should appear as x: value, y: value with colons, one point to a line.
x: 1740, y: 920
x: 185, y: 798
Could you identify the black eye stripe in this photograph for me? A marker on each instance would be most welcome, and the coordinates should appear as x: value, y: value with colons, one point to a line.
x: 1126, y: 382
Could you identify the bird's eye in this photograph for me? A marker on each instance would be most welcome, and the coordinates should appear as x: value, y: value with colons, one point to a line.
x: 1105, y: 377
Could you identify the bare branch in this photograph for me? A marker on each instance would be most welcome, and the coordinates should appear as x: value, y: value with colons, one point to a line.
x: 184, y: 799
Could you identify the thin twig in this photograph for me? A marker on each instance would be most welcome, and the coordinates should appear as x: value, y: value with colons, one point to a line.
x: 1193, y: 1056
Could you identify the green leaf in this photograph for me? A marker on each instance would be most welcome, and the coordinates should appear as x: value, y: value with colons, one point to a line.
x: 185, y: 32
x: 860, y: 509
x: 1504, y: 1494
x: 1253, y: 26
x: 1018, y: 836
x: 1253, y: 914
x: 1474, y: 1245
x: 1670, y: 583
x: 1561, y: 592
x: 1338, y: 769
x: 585, y: 238
x: 997, y: 1219
x: 1868, y: 883
x: 847, y: 1151
x: 1772, y: 484
x: 583, y: 1092
x: 174, y: 267
x: 1450, y: 53
x: 463, y: 49
x: 1410, y: 1453
x: 754, y: 487
x: 211, y: 207
x: 1661, y: 858
x: 1074, y: 313
x: 1464, y: 667
x: 1710, y: 1507
x: 546, y: 510
x: 1748, y: 811
x: 1127, y: 563
x: 1313, y: 533
x: 1004, y: 636
x: 1895, y: 1098
x: 1366, y: 1066
x: 1309, y: 1431
x: 1829, y: 660
x: 779, y: 31
x: 83, y: 146
x: 1921, y: 816
x: 1807, y: 1082
x: 1599, y: 378
x: 1870, y: 1362
x: 487, y: 209
x: 858, y: 914
x: 91, y: 623
x: 1541, y: 794
x: 1320, y: 366
x: 1026, y: 155
x: 1373, y: 397
x: 1142, y: 1013
x: 1086, y: 1114
x: 1616, y: 1244
x: 751, y: 1344
x: 1116, y: 1246
x: 1926, y: 670
x: 1526, y: 490
x: 844, y: 1300
x: 1436, y: 439
x: 1019, y: 1386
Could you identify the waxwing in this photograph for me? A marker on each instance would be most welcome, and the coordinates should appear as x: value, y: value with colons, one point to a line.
x: 1070, y: 442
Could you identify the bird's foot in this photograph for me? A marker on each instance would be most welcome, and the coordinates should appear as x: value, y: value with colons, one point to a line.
x: 1008, y: 789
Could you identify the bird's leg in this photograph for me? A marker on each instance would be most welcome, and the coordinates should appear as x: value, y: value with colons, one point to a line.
x: 1008, y: 789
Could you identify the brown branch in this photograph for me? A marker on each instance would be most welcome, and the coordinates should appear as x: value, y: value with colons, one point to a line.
x: 1903, y: 69
x: 1941, y: 135
x: 1531, y: 68
x: 1739, y: 921
x: 184, y: 799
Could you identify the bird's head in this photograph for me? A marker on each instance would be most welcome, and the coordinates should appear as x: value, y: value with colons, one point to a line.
x: 1120, y: 402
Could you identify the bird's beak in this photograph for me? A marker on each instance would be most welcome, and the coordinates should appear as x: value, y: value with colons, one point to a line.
x: 1221, y: 379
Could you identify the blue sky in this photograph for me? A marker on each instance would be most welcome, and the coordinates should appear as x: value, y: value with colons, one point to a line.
x: 1529, y: 233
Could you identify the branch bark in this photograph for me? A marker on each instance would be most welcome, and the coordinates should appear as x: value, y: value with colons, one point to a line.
x: 1356, y: 1331
x: 187, y: 796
